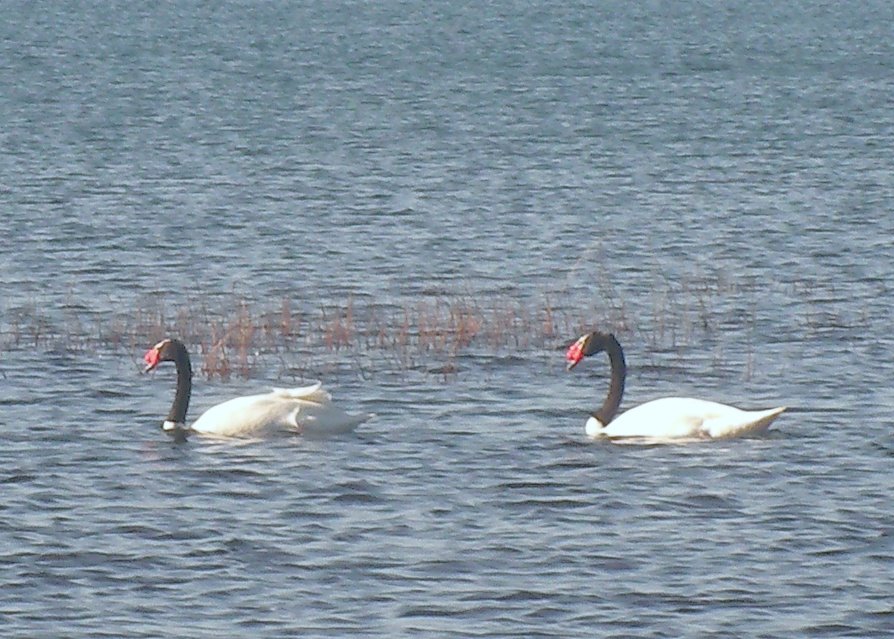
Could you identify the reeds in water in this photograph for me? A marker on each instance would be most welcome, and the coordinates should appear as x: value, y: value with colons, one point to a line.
x: 232, y: 339
x: 238, y: 335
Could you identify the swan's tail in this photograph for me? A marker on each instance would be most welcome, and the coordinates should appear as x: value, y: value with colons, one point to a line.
x: 756, y: 422
x: 766, y: 417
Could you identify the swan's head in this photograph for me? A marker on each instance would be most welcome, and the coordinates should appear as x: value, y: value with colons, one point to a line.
x: 586, y: 345
x: 164, y: 351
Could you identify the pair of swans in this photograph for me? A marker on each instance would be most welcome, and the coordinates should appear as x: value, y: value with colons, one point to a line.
x: 309, y: 410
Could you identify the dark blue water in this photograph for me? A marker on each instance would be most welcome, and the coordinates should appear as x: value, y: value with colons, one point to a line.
x: 712, y: 181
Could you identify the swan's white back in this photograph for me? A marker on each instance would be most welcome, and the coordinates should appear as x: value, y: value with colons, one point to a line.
x: 675, y: 418
x: 307, y: 410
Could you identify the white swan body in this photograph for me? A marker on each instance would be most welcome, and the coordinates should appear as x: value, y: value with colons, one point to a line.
x: 684, y: 418
x: 667, y: 419
x: 307, y: 409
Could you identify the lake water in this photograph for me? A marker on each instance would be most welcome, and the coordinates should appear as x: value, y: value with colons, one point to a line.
x: 421, y: 204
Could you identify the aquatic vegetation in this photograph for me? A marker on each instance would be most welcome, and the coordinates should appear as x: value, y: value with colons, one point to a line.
x: 236, y: 335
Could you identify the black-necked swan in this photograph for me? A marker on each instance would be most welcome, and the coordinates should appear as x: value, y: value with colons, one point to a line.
x: 669, y: 418
x: 305, y: 409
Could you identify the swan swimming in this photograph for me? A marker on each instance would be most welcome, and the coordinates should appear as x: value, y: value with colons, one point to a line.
x: 669, y: 418
x: 306, y: 409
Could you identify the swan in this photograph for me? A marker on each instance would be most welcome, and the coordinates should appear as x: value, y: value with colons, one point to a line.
x: 669, y: 418
x: 305, y: 409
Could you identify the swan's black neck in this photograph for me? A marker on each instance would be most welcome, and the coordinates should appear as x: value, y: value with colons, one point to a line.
x: 616, y: 388
x: 177, y: 414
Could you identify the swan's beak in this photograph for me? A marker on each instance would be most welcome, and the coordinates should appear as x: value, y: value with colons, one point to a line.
x: 151, y: 358
x: 575, y: 353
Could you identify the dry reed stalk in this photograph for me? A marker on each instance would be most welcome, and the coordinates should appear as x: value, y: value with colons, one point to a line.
x: 285, y: 319
x: 464, y: 325
x: 215, y: 360
x: 547, y: 324
x: 401, y: 338
x: 244, y: 332
x: 338, y: 331
x: 349, y: 321
x: 433, y: 329
x: 422, y: 321
x: 375, y: 333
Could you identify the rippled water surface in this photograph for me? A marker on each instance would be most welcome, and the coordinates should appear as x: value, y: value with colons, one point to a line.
x: 431, y: 201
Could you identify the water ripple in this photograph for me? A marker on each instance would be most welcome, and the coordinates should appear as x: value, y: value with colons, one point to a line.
x: 718, y: 197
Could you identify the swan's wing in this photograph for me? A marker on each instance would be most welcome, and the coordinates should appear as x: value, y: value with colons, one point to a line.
x: 320, y: 419
x: 666, y: 418
x: 312, y: 393
x: 242, y: 416
x: 305, y: 409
